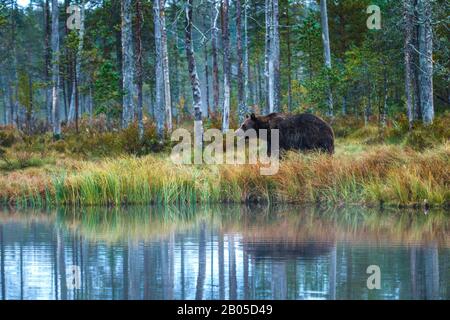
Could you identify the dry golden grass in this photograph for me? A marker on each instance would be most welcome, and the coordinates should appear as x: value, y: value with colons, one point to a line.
x: 357, y: 173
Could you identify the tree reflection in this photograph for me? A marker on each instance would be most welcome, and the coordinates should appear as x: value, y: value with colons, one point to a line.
x: 257, y: 253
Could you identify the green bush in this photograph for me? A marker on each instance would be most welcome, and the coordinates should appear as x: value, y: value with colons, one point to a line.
x: 19, y: 160
x: 421, y: 137
x: 8, y: 136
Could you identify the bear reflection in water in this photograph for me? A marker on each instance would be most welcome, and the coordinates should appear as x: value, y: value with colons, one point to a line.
x: 281, y: 249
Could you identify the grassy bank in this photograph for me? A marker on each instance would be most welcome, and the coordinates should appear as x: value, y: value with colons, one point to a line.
x: 356, y: 174
x: 395, y: 168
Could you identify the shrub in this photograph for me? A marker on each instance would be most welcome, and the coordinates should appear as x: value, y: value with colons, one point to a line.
x: 20, y: 160
x: 8, y: 136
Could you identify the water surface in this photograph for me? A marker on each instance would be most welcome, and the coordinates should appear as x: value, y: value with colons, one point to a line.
x: 225, y: 252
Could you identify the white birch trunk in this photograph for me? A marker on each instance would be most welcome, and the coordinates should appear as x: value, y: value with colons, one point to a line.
x: 127, y: 64
x: 275, y: 57
x: 195, y: 82
x: 326, y: 50
x: 73, y: 100
x: 426, y: 60
x: 55, y: 70
x: 267, y: 54
x: 408, y: 35
x: 159, y: 110
x: 226, y: 67
x: 165, y: 59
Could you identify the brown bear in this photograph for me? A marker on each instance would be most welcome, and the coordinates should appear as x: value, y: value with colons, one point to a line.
x: 297, y: 132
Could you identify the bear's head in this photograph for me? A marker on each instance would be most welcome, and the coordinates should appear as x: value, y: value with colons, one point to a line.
x: 250, y: 122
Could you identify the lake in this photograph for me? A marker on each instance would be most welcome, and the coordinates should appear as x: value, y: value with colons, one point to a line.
x: 223, y: 252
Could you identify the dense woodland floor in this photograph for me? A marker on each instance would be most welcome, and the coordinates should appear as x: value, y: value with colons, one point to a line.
x: 396, y: 167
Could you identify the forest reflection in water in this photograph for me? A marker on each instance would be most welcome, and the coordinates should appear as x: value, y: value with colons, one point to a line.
x: 223, y: 252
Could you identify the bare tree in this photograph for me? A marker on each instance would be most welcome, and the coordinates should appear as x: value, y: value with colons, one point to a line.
x: 426, y: 59
x: 326, y: 50
x: 289, y: 57
x: 74, y: 105
x: 408, y: 16
x: 267, y: 53
x: 226, y: 66
x: 127, y: 64
x: 47, y: 58
x: 159, y: 73
x: 55, y: 70
x: 275, y: 57
x: 242, y: 108
x: 195, y: 82
x: 215, y: 66
x: 165, y: 63
x: 139, y: 68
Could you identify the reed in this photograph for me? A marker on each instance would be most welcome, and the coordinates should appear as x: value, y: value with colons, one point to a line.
x: 385, y: 174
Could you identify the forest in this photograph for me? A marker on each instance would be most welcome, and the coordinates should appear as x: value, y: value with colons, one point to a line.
x: 91, y: 90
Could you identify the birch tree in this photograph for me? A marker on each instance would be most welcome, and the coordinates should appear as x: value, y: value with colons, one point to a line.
x: 326, y: 50
x: 267, y: 53
x: 74, y: 107
x: 247, y: 88
x: 165, y: 63
x: 195, y: 82
x: 215, y: 63
x: 127, y: 64
x: 242, y: 108
x: 159, y: 73
x: 289, y: 55
x: 55, y: 70
x: 275, y: 57
x: 408, y: 21
x: 139, y: 68
x: 47, y: 59
x: 226, y: 66
x: 272, y: 56
x: 426, y: 60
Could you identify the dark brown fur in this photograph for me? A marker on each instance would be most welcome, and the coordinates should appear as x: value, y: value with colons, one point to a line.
x: 297, y: 132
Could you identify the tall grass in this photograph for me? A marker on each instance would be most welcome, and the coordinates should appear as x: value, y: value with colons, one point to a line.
x: 378, y: 174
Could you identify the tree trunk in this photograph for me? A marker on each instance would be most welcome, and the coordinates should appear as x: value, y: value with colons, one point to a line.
x: 408, y: 21
x: 242, y: 108
x: 327, y: 52
x: 159, y: 73
x: 382, y: 112
x: 205, y: 51
x: 276, y: 57
x: 426, y: 60
x: 139, y: 68
x: 247, y: 88
x: 226, y: 66
x: 55, y: 70
x: 289, y: 64
x: 268, y: 54
x: 165, y: 62
x: 74, y: 105
x: 195, y: 82
x: 47, y: 58
x: 127, y: 64
x: 215, y: 66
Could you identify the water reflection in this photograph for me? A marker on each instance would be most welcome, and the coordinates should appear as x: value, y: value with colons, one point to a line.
x: 225, y: 252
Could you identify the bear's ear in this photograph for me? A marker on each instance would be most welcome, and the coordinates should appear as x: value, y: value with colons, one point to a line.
x: 247, y: 116
x: 253, y: 116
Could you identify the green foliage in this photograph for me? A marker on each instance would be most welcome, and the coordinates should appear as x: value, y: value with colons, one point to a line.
x: 19, y: 160
x: 25, y: 90
x: 106, y: 93
x: 420, y: 137
x: 8, y: 136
